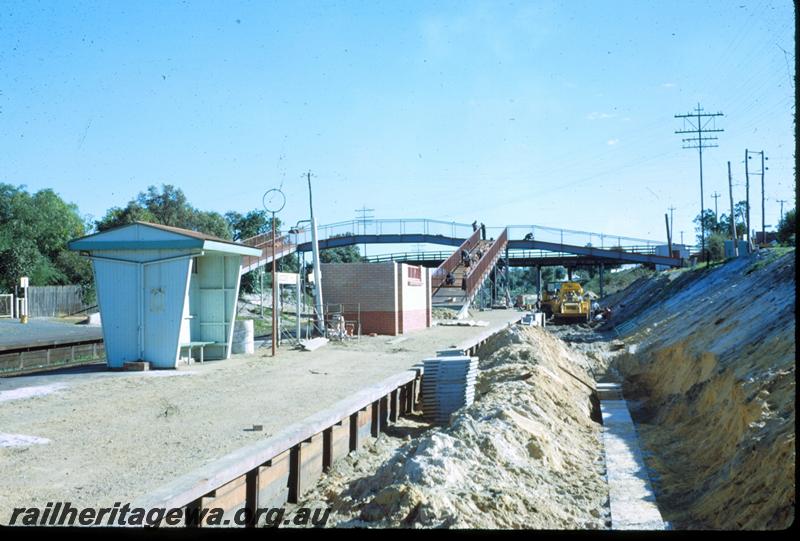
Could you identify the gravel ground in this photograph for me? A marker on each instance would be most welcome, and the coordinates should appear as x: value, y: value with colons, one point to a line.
x: 114, y: 437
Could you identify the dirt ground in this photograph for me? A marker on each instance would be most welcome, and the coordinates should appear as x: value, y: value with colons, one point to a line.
x: 526, y: 454
x: 115, y: 436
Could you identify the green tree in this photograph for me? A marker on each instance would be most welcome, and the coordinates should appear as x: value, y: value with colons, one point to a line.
x: 245, y: 226
x: 715, y: 244
x: 710, y: 222
x: 34, y: 231
x: 342, y: 254
x: 787, y: 228
x: 168, y: 206
x: 724, y: 226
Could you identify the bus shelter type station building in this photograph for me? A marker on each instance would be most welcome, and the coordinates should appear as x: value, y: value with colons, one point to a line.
x: 161, y: 289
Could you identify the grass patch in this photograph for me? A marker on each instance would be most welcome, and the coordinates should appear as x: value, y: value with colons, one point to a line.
x: 772, y: 255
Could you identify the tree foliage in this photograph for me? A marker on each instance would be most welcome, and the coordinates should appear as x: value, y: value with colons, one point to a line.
x: 523, y: 280
x: 787, y: 228
x: 342, y: 254
x: 34, y: 231
x: 722, y: 226
x: 168, y: 206
x: 245, y: 226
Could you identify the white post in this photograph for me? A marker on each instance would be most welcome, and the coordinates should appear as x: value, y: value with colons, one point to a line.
x: 23, y: 282
x: 317, y: 276
x: 299, y: 307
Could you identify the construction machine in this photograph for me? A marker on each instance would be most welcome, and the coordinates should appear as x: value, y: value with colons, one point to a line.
x: 549, y: 297
x: 568, y: 303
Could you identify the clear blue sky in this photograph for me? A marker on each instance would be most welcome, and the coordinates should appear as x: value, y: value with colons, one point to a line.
x: 552, y: 113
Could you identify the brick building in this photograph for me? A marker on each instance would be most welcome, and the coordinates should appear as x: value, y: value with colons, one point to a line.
x: 395, y: 298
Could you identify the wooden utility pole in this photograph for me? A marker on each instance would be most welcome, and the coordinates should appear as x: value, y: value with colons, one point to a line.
x: 715, y: 195
x: 781, y: 201
x: 697, y: 122
x: 747, y: 193
x: 733, y: 216
x: 763, y: 215
x: 669, y: 236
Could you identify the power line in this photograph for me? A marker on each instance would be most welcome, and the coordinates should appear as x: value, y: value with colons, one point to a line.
x: 698, y: 124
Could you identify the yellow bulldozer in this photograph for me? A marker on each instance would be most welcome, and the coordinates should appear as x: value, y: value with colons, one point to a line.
x: 565, y: 301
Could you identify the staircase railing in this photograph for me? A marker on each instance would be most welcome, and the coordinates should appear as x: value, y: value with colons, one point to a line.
x: 439, y: 275
x: 283, y: 246
x: 477, y: 273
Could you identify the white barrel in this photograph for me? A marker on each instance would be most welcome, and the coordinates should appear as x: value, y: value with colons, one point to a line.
x: 243, y: 337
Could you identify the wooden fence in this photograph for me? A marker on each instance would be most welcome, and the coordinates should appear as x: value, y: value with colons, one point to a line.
x: 53, y: 301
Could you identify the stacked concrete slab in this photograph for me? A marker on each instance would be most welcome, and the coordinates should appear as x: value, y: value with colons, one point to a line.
x: 448, y: 384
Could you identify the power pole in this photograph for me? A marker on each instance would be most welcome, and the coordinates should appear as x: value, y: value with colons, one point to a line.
x: 698, y: 122
x: 733, y: 218
x: 681, y: 238
x: 747, y: 194
x: 763, y: 213
x: 364, y: 210
x: 747, y: 154
x: 669, y: 235
x: 781, y: 201
x: 319, y: 305
x: 715, y: 195
x: 671, y: 222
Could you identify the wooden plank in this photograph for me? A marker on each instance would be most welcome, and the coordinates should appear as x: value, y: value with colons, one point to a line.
x: 340, y: 442
x: 273, y: 481
x: 310, y: 464
x: 229, y: 497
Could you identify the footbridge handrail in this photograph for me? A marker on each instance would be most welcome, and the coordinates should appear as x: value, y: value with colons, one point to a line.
x: 439, y: 275
x: 442, y: 228
x: 487, y: 261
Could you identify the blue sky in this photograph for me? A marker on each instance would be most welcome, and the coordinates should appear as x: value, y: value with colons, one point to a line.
x: 551, y: 113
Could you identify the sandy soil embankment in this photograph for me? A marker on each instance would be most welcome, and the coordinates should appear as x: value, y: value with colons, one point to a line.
x: 713, y: 379
x: 526, y: 454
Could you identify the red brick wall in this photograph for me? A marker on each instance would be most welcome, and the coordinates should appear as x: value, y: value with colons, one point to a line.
x: 391, y: 302
x: 375, y: 321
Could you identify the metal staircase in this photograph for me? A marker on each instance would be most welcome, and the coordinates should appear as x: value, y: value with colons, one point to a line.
x: 469, y: 280
x: 283, y: 247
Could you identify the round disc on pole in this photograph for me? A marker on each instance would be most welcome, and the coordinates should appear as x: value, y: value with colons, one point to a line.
x: 274, y: 200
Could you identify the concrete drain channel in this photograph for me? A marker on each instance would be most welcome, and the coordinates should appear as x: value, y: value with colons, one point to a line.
x: 630, y: 493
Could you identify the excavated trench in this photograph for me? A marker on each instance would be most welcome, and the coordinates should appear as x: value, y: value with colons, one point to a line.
x: 709, y: 373
x: 706, y: 362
